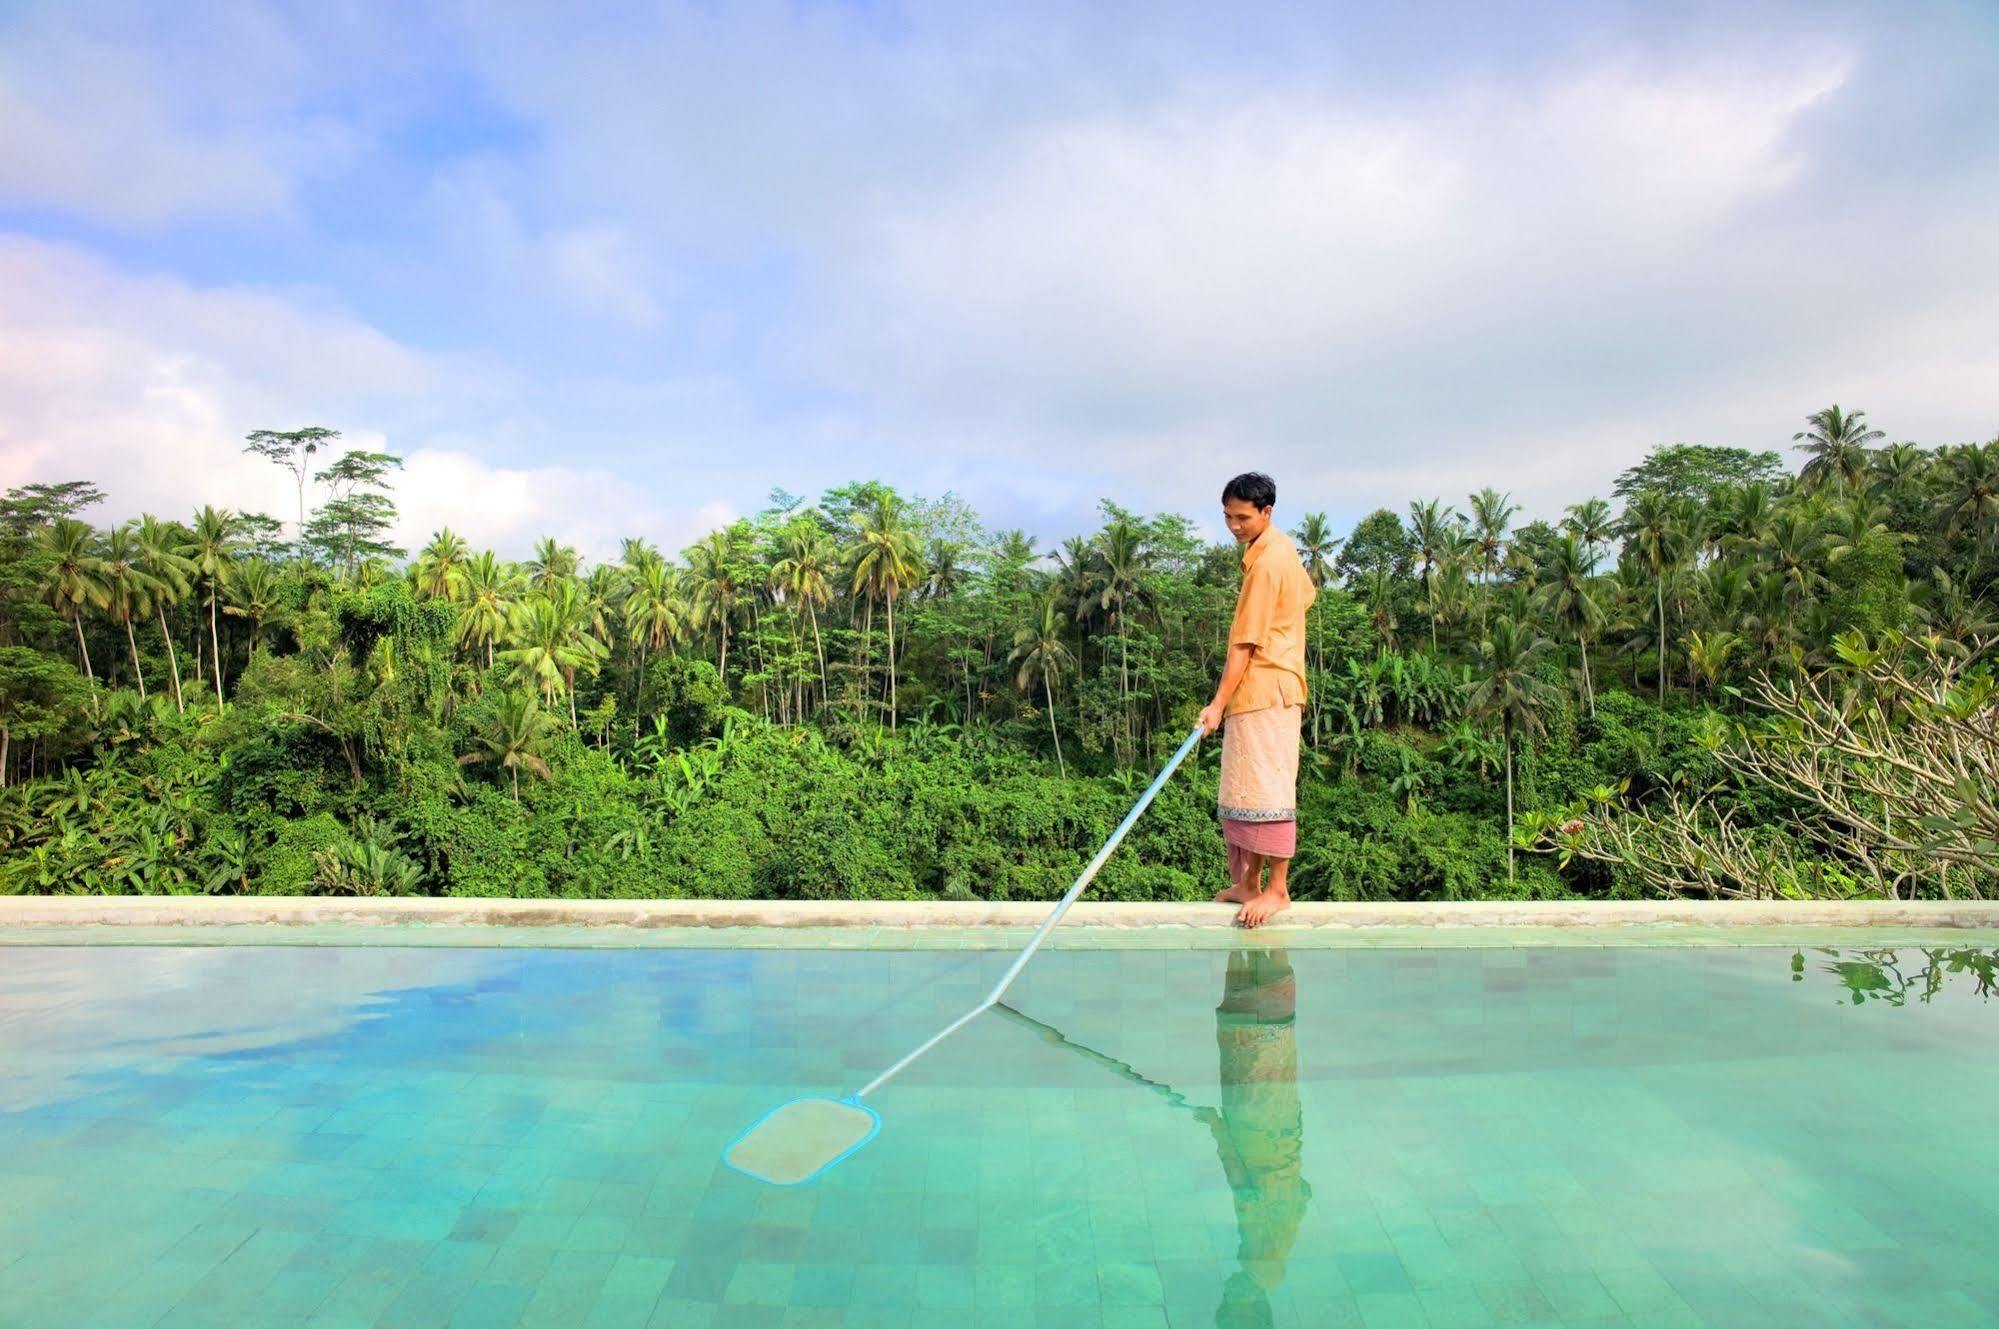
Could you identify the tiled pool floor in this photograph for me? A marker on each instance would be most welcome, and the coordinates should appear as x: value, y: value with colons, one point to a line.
x: 388, y: 1137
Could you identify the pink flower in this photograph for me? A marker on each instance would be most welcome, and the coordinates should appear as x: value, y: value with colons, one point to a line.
x: 1573, y: 826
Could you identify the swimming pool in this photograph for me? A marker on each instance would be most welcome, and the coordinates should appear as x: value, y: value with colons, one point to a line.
x: 381, y: 1136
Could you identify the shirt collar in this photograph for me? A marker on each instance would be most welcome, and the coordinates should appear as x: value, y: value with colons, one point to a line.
x: 1258, y: 547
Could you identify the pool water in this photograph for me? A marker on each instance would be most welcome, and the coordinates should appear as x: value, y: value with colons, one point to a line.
x: 350, y: 1136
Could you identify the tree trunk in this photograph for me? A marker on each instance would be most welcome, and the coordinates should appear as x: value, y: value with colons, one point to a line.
x: 1589, y: 687
x: 820, y: 646
x: 1506, y: 732
x: 215, y: 645
x: 83, y: 648
x: 891, y: 662
x: 173, y: 661
x: 1662, y: 639
x: 133, y: 642
x: 6, y: 737
x: 1049, y: 692
x: 868, y: 656
x: 639, y: 692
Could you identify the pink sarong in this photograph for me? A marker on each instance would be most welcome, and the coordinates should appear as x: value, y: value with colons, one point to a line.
x: 1258, y: 796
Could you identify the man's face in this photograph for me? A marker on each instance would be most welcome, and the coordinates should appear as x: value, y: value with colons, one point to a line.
x: 1245, y: 520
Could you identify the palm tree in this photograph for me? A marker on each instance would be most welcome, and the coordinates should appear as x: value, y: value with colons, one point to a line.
x: 128, y: 588
x: 655, y: 616
x: 1971, y: 494
x: 440, y: 567
x: 74, y: 578
x: 211, y: 549
x: 1432, y: 526
x: 1854, y: 525
x: 1836, y: 442
x: 1651, y: 525
x: 1491, y: 515
x: 1898, y: 472
x: 1792, y: 549
x: 1508, y: 690
x: 804, y: 576
x: 253, y: 592
x: 711, y: 566
x: 510, y: 733
x: 169, y: 571
x: 1569, y: 596
x: 1708, y: 654
x: 552, y: 642
x: 886, y: 564
x: 1042, y: 654
x: 1744, y: 519
x: 1126, y: 560
x: 486, y: 587
x: 553, y: 563
x: 1590, y: 521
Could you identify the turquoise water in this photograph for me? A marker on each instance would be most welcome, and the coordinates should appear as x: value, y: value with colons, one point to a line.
x: 352, y: 1136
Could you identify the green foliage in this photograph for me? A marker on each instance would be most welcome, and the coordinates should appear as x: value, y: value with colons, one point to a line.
x: 871, y: 696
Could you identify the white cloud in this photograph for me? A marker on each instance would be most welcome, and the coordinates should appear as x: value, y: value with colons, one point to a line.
x: 147, y: 385
x: 110, y: 131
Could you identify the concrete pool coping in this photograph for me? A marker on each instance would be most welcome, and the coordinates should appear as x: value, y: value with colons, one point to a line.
x: 972, y: 925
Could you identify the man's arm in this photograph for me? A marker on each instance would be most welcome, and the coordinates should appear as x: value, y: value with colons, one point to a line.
x: 1238, y: 665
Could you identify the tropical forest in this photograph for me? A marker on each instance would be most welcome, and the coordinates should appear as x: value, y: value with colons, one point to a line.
x: 1742, y: 674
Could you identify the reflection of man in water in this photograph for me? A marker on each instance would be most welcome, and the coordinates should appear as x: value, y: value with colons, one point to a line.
x: 1259, y: 1130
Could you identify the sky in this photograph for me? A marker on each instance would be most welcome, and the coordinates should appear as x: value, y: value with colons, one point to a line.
x: 621, y: 271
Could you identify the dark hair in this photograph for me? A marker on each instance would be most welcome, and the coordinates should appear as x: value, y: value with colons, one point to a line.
x: 1252, y: 487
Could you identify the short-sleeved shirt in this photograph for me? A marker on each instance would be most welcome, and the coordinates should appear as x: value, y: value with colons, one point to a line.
x: 1270, y: 615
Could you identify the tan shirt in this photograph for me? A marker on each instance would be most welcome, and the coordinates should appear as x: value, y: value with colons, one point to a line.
x: 1270, y: 615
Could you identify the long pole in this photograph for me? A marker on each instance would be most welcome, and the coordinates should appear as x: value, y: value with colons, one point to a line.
x: 1054, y: 917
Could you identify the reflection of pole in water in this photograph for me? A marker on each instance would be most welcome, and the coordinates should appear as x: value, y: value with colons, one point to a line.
x: 1259, y: 1132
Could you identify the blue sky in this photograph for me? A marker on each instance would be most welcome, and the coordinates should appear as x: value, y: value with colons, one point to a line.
x: 622, y: 273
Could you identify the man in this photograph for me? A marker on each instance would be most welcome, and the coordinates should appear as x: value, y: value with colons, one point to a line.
x: 1260, y: 703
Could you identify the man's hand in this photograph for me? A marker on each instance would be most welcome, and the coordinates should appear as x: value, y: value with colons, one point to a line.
x: 1211, y: 717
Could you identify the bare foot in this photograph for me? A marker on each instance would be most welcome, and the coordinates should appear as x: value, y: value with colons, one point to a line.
x: 1263, y: 906
x: 1234, y: 895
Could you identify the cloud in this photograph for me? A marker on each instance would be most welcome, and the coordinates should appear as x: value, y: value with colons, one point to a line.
x: 105, y: 129
x: 147, y: 385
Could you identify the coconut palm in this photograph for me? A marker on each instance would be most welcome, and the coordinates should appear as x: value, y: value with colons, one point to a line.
x: 1042, y: 655
x: 553, y: 563
x: 128, y: 588
x: 1952, y: 611
x: 1491, y: 515
x: 1898, y: 472
x: 486, y: 589
x: 1792, y: 548
x: 440, y: 567
x: 1569, y: 596
x: 804, y: 576
x: 885, y: 565
x: 171, y: 573
x: 511, y: 733
x: 1507, y: 689
x: 655, y: 616
x: 1708, y: 652
x: 1432, y: 526
x: 552, y: 643
x: 211, y: 549
x: 718, y: 591
x: 1971, y: 494
x: 253, y: 593
x: 1836, y: 443
x: 1590, y: 521
x: 1745, y: 515
x: 73, y: 580
x: 1125, y: 561
x: 1651, y: 526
